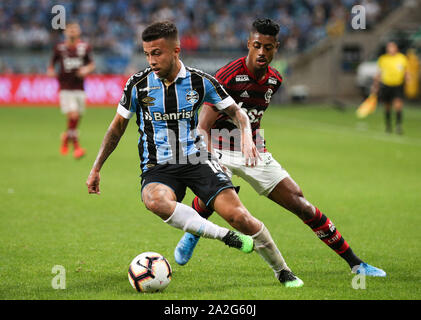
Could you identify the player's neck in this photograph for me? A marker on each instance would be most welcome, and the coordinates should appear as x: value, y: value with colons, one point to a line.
x: 72, y: 41
x: 173, y: 74
x: 258, y: 74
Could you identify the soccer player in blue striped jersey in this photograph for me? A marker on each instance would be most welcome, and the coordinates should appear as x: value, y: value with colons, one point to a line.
x: 165, y: 98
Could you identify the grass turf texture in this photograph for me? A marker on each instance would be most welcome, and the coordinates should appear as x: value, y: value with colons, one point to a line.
x: 366, y: 181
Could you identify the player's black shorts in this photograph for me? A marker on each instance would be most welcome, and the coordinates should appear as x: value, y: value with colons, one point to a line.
x: 205, y: 179
x: 388, y: 93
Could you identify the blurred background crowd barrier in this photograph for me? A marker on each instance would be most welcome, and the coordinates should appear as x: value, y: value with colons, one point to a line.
x: 321, y: 56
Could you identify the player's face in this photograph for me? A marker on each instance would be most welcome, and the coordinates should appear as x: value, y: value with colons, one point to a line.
x: 162, y: 55
x: 261, y: 48
x: 391, y: 48
x: 72, y: 31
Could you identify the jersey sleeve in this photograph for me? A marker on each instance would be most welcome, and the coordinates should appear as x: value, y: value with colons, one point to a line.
x: 88, y: 58
x: 128, y: 102
x: 215, y: 94
x: 55, y: 57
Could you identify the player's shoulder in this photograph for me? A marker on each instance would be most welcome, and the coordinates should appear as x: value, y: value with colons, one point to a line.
x: 202, y: 74
x: 275, y: 73
x: 138, y: 76
x: 230, y: 70
x: 60, y: 46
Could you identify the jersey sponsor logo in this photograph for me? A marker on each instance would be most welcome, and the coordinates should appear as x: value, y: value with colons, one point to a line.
x: 192, y: 96
x: 242, y: 78
x: 268, y: 95
x: 71, y: 63
x: 161, y: 116
x: 272, y: 80
x: 148, y: 101
x: 245, y: 95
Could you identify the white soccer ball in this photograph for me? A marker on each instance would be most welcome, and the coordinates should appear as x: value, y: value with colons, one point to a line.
x: 150, y: 272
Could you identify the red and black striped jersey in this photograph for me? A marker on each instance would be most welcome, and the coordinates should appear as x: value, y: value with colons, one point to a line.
x: 70, y: 59
x: 252, y: 95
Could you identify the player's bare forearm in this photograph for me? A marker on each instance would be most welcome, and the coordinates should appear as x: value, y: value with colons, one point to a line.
x: 85, y: 70
x: 241, y: 120
x: 111, y: 139
x: 109, y: 143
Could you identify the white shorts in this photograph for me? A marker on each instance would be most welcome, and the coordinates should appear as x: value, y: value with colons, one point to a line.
x: 72, y: 100
x: 263, y: 178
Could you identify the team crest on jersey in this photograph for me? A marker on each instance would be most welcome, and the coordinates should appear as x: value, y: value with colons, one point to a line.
x: 268, y: 95
x: 242, y: 78
x: 272, y: 80
x: 192, y: 96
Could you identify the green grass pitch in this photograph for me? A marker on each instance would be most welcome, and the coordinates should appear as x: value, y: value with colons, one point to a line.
x: 366, y: 181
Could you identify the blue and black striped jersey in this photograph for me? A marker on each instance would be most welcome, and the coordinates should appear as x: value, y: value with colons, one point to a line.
x: 167, y: 114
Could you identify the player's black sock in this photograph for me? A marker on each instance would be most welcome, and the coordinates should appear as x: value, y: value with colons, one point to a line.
x: 388, y: 118
x: 204, y: 213
x: 326, y: 231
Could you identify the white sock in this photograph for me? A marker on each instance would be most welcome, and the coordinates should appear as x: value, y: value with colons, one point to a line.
x: 267, y: 249
x: 187, y: 219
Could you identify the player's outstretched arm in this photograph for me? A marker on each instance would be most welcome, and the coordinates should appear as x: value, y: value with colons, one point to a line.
x: 109, y: 143
x: 241, y: 120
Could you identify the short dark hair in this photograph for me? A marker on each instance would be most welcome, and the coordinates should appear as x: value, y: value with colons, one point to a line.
x: 158, y: 30
x: 266, y: 27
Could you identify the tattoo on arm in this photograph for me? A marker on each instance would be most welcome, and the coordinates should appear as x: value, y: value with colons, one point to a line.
x: 109, y: 143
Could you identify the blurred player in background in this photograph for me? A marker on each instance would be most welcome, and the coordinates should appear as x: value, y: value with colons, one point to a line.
x: 74, y: 57
x: 389, y: 83
x: 252, y: 82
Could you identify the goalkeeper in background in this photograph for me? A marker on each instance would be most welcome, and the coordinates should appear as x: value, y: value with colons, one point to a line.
x: 389, y: 83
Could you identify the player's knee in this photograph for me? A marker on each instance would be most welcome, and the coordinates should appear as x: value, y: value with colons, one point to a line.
x: 243, y: 221
x: 305, y: 210
x: 159, y: 206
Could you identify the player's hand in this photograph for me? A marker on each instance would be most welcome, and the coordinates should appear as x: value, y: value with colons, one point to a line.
x: 93, y: 182
x: 51, y: 72
x: 249, y: 151
x: 82, y: 72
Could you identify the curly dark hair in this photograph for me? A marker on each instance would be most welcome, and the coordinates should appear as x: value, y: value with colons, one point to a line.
x: 266, y: 27
x: 158, y: 30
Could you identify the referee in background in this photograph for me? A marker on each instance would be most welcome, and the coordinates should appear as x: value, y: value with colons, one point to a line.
x: 389, y: 82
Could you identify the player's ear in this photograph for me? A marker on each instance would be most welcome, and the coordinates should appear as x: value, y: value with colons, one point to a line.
x: 277, y: 45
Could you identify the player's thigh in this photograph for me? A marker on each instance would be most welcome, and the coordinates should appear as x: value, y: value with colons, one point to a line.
x: 263, y: 177
x: 206, y: 179
x: 80, y: 97
x: 161, y: 190
x: 68, y: 101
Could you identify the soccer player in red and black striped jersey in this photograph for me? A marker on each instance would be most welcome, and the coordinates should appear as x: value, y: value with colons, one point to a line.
x: 74, y: 57
x: 252, y: 82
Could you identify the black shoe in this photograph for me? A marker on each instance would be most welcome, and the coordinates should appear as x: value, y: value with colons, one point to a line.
x: 238, y: 240
x: 388, y: 129
x: 289, y: 280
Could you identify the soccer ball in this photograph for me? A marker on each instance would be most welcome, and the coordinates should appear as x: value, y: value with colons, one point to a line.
x: 150, y: 272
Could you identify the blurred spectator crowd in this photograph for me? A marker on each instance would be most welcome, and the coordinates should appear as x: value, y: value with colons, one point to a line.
x: 203, y: 24
x: 113, y: 27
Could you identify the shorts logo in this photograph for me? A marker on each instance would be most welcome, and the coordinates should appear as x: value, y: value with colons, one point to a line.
x: 242, y: 78
x: 192, y: 96
x: 272, y: 81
